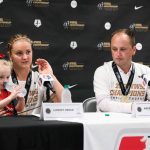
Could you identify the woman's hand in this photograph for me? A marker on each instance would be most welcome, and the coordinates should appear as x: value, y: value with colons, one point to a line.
x: 44, y: 67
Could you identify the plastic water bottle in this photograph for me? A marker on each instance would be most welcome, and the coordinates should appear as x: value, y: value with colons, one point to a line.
x: 66, y: 95
x: 10, y: 86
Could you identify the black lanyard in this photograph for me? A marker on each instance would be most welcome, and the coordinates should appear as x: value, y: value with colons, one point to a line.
x: 28, y: 82
x: 124, y: 90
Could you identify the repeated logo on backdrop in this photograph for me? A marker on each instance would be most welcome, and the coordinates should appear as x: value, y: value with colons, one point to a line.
x: 40, y: 45
x: 37, y: 3
x: 73, y: 44
x: 37, y: 23
x: 4, y: 22
x: 103, y: 46
x: 72, y: 65
x: 139, y: 27
x: 74, y: 25
x: 108, y: 6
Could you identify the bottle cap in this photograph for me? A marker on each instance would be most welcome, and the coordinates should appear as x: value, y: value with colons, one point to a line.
x: 66, y: 86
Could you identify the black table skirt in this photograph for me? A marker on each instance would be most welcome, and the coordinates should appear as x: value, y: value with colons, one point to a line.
x: 30, y: 133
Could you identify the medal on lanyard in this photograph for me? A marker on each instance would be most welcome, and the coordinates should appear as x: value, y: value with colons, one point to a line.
x: 125, y: 99
x: 124, y: 90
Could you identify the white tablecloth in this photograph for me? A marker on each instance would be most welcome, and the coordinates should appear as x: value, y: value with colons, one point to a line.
x: 114, y: 131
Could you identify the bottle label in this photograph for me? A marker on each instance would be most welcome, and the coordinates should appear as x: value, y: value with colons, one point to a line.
x: 66, y: 96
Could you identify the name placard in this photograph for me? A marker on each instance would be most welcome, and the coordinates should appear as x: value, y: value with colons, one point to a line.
x: 50, y: 111
x: 141, y: 109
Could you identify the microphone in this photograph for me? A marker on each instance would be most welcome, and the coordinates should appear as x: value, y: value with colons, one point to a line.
x: 146, y: 78
x: 47, y: 81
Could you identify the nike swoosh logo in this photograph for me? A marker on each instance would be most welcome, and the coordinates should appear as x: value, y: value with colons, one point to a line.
x: 34, y: 66
x: 1, y: 42
x: 137, y: 7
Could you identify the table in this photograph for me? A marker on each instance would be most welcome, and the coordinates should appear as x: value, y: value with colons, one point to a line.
x: 30, y: 133
x: 112, y: 131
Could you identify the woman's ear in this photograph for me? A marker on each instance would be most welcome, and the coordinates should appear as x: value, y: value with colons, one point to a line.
x: 134, y: 50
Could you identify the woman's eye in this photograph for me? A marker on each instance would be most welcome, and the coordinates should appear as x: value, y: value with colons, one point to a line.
x: 28, y: 52
x: 19, y: 53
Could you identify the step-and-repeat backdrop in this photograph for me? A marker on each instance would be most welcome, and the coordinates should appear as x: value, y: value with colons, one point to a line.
x: 74, y: 35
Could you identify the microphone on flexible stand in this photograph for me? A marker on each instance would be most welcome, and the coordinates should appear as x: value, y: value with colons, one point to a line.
x: 47, y: 81
x: 49, y: 86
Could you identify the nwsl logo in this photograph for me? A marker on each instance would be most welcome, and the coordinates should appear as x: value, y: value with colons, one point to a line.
x: 103, y: 46
x: 37, y: 23
x: 65, y: 66
x: 29, y: 2
x: 73, y: 44
x: 100, y: 6
x: 66, y: 25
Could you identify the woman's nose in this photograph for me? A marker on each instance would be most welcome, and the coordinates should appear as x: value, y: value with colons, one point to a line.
x: 24, y: 56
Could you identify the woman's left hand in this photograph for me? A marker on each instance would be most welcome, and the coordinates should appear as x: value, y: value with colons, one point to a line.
x: 44, y: 67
